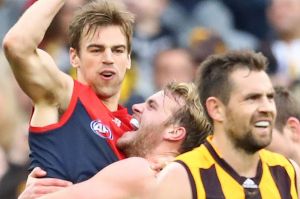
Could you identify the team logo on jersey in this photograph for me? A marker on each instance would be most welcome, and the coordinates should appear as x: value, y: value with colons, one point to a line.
x: 101, y: 130
x: 117, y: 121
x: 248, y: 183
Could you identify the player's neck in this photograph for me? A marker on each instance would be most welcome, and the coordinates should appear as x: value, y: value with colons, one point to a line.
x: 109, y: 99
x: 297, y: 158
x: 243, y: 163
x: 162, y: 157
x: 111, y: 103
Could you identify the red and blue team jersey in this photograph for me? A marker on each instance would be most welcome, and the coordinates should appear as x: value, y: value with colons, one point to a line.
x: 84, y: 140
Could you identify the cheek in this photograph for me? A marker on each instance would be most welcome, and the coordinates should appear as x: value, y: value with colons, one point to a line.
x: 234, y: 116
x: 246, y: 115
x: 90, y: 66
x: 147, y: 123
x: 274, y: 110
x: 123, y: 63
x: 238, y: 121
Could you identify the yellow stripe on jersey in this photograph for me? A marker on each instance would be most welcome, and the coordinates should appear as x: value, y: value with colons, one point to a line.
x: 212, y: 177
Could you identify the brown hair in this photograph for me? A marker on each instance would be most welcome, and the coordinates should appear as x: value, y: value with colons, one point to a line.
x: 100, y: 13
x: 191, y: 115
x: 286, y: 105
x: 213, y: 77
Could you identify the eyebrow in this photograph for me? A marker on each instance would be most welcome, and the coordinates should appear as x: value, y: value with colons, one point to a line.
x: 102, y: 46
x: 119, y: 46
x: 259, y: 94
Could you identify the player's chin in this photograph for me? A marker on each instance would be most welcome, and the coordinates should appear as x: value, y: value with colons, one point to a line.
x: 264, y: 142
x: 125, y: 139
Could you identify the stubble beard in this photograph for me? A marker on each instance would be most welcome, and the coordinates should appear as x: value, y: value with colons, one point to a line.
x: 247, y: 142
x: 140, y: 145
x: 243, y: 137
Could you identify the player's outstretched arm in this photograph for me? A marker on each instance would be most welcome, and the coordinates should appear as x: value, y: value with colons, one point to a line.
x: 125, y: 179
x: 34, y: 69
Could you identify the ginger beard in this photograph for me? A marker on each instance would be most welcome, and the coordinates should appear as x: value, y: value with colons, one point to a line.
x: 141, y: 142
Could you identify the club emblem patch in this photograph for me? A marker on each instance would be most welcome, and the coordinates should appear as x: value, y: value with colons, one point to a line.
x: 117, y: 121
x: 101, y: 130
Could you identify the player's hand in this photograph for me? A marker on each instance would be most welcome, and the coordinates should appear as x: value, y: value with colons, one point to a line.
x: 36, y: 186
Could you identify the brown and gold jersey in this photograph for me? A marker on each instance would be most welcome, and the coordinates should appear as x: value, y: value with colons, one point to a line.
x: 213, y: 178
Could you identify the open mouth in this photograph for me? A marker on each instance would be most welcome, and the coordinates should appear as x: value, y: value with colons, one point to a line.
x: 134, y: 124
x: 107, y: 74
x: 263, y: 124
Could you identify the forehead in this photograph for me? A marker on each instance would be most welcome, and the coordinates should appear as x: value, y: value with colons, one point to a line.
x: 245, y: 81
x: 104, y: 35
x: 284, y: 5
x: 165, y: 101
x: 175, y: 58
x: 285, y: 1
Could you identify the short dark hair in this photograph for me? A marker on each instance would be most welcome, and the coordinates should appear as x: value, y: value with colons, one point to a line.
x: 213, y: 77
x: 286, y: 105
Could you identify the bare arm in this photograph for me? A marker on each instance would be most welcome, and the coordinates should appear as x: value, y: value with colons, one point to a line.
x: 36, y: 186
x: 33, y: 68
x: 130, y: 178
x: 172, y: 182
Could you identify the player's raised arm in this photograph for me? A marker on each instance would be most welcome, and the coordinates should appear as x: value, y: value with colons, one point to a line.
x: 34, y: 69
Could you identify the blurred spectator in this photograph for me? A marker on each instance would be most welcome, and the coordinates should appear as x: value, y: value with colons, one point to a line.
x: 286, y: 134
x: 250, y: 16
x: 55, y: 41
x: 203, y: 43
x: 187, y: 5
x: 215, y: 15
x: 13, y: 137
x: 284, y: 17
x: 10, y: 11
x: 129, y: 95
x: 177, y: 18
x: 295, y: 88
x: 173, y: 65
x: 150, y: 37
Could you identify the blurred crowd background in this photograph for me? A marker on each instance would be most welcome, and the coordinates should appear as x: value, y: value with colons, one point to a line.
x: 171, y: 39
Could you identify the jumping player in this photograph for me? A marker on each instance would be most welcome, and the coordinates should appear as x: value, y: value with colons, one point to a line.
x: 75, y: 123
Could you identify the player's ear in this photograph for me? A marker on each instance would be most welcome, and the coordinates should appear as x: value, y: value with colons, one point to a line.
x: 176, y: 134
x: 294, y: 125
x: 215, y: 108
x: 74, y: 58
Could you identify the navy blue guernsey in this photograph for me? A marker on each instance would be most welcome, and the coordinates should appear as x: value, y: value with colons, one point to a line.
x: 84, y: 140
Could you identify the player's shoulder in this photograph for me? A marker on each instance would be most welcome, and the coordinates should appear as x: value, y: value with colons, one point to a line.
x: 174, y: 170
x: 137, y: 165
x: 137, y: 175
x: 273, y: 158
